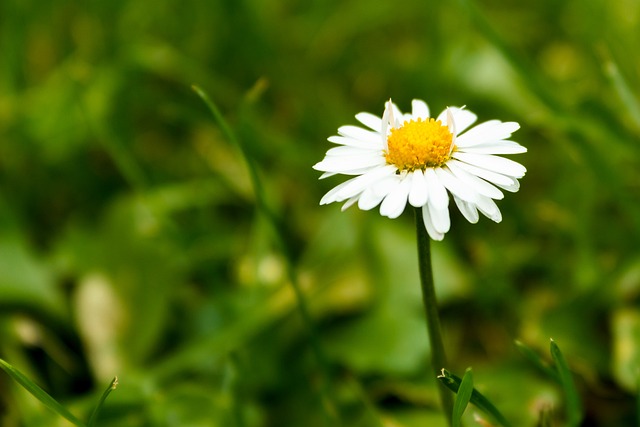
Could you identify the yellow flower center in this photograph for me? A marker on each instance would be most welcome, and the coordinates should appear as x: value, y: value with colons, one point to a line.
x: 419, y: 144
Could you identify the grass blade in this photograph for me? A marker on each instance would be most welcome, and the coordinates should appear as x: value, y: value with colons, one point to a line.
x: 573, y: 403
x: 112, y: 386
x: 535, y: 358
x: 40, y: 394
x: 279, y: 231
x: 623, y: 90
x: 453, y: 383
x: 462, y: 398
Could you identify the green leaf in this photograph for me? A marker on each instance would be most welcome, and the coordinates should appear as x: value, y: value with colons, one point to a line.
x: 573, y: 403
x: 39, y: 393
x: 454, y: 382
x: 94, y: 416
x: 279, y: 230
x: 462, y: 398
x: 535, y: 358
x: 624, y: 91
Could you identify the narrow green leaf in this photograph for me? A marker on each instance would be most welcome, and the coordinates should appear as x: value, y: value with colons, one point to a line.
x: 94, y: 416
x: 462, y: 398
x: 256, y: 182
x: 279, y: 231
x: 625, y: 93
x: 39, y: 393
x: 453, y: 383
x: 535, y: 358
x: 573, y: 403
x: 224, y: 126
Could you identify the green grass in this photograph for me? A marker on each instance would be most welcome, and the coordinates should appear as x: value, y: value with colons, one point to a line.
x: 138, y: 239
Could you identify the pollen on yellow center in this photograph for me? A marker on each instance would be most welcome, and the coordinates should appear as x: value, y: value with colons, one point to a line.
x: 419, y: 144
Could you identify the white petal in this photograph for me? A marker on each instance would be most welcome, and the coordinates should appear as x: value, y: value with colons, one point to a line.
x: 495, y: 178
x: 359, y: 133
x: 345, y: 150
x: 493, y: 130
x: 393, y: 205
x: 472, y: 181
x: 360, y: 171
x: 373, y: 195
x: 489, y: 209
x: 397, y: 116
x: 462, y: 117
x: 513, y: 187
x: 349, y: 203
x: 330, y: 197
x: 428, y: 224
x: 386, y: 185
x: 419, y: 194
x: 369, y: 199
x: 455, y: 185
x: 451, y: 123
x: 492, y: 163
x: 437, y: 193
x: 439, y: 218
x: 496, y: 147
x: 352, y: 142
x: 468, y: 210
x: 327, y: 175
x: 419, y: 109
x: 371, y: 121
x: 348, y: 163
x: 386, y: 120
x: 358, y: 184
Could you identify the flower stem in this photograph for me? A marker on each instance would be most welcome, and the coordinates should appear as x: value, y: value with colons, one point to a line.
x: 438, y: 357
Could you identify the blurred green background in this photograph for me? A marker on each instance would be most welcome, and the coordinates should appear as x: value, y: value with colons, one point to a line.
x: 131, y: 245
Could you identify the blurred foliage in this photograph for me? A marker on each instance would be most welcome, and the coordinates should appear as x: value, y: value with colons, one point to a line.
x: 130, y: 243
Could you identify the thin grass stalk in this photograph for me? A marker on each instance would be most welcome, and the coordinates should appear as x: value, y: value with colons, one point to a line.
x: 94, y: 415
x: 277, y: 227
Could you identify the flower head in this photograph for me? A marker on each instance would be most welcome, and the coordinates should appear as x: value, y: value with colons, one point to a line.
x: 417, y: 159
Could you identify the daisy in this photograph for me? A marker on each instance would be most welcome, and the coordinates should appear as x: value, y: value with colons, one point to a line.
x: 414, y: 158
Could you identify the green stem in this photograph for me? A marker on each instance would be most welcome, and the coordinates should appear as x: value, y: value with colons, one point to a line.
x: 438, y: 357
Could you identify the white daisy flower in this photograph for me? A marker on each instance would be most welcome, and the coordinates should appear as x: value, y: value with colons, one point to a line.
x: 414, y: 158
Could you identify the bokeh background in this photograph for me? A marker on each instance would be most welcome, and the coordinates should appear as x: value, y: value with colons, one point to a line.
x: 131, y: 242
